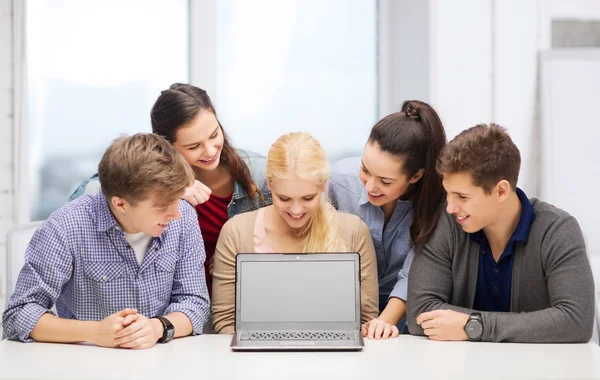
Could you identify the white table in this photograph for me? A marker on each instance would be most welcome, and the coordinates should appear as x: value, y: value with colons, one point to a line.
x: 209, y: 357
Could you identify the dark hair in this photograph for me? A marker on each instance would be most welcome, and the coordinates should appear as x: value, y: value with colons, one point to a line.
x: 417, y: 136
x: 177, y: 107
x: 485, y: 152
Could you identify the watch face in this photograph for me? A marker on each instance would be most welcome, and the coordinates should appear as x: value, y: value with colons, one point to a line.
x: 170, y: 334
x: 474, y: 329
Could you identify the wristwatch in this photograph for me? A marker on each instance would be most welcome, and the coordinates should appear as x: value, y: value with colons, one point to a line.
x: 474, y: 327
x: 168, y: 330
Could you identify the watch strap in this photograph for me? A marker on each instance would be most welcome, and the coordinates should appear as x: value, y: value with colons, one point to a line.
x: 167, y: 326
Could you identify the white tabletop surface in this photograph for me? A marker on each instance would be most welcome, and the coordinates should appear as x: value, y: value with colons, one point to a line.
x: 209, y: 357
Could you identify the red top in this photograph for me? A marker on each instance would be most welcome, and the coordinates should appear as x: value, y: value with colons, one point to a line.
x: 212, y: 214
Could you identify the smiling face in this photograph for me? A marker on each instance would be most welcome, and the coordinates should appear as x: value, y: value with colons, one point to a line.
x: 144, y: 216
x: 201, y: 142
x: 382, y: 175
x: 472, y: 208
x: 296, y: 200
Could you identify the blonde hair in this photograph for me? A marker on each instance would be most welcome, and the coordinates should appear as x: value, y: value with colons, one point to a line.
x: 144, y: 165
x: 299, y: 155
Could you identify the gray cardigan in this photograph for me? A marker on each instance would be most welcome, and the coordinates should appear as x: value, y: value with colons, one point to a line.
x: 552, y: 291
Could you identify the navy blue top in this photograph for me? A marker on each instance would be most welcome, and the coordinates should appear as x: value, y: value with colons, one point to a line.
x: 494, y: 278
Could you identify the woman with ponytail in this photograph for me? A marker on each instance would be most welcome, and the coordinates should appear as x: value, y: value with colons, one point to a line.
x: 301, y: 219
x: 395, y: 189
x: 227, y: 182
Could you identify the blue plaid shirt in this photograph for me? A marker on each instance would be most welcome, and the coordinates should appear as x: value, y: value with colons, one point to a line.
x: 80, y: 261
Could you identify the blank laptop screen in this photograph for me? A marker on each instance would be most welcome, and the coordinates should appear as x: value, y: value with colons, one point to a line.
x: 302, y: 291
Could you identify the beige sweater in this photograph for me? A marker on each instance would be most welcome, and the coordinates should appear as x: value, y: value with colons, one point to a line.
x: 237, y: 236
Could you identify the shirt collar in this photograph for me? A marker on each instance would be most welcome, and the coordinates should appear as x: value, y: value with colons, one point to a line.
x: 521, y: 233
x: 364, y: 197
x: 105, y: 218
x: 527, y: 217
x: 238, y: 191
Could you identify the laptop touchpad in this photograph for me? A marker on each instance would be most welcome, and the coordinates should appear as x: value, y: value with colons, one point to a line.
x: 296, y: 343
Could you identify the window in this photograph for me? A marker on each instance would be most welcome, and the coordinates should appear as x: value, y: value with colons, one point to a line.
x: 297, y: 65
x: 94, y: 70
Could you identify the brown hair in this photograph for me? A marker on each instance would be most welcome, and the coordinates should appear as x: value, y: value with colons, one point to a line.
x: 485, y: 152
x: 143, y: 165
x: 177, y: 107
x: 416, y: 135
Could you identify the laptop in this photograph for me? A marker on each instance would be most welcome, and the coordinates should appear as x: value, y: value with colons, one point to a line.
x: 297, y: 302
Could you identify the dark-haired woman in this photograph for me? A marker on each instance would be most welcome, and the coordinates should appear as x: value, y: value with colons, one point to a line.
x: 395, y: 189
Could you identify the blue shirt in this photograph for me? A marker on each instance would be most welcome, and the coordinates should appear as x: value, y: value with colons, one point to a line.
x: 392, y: 244
x: 494, y: 278
x: 80, y: 261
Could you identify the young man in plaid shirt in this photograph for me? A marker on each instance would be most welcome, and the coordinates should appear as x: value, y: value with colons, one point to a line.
x: 124, y: 267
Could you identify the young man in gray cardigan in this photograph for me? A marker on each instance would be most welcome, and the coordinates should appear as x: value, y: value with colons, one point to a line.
x: 499, y: 266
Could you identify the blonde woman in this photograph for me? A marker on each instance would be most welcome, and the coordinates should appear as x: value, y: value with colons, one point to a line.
x: 300, y: 220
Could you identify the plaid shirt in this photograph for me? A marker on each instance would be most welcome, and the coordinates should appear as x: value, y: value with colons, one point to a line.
x: 80, y: 261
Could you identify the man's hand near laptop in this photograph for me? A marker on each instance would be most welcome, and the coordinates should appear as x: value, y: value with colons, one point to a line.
x: 104, y: 333
x: 125, y: 329
x: 448, y: 325
x: 138, y: 332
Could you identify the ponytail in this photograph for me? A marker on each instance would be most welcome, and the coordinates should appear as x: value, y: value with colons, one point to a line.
x: 417, y: 135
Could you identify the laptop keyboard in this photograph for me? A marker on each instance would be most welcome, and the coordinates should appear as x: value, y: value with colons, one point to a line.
x: 306, y: 335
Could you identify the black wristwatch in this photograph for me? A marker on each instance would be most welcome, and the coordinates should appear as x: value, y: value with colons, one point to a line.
x: 474, y: 327
x: 168, y: 330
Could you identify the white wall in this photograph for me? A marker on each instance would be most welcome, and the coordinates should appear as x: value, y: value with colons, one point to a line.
x: 404, y: 53
x: 569, y: 108
x: 515, y: 72
x: 6, y: 131
x: 461, y: 78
